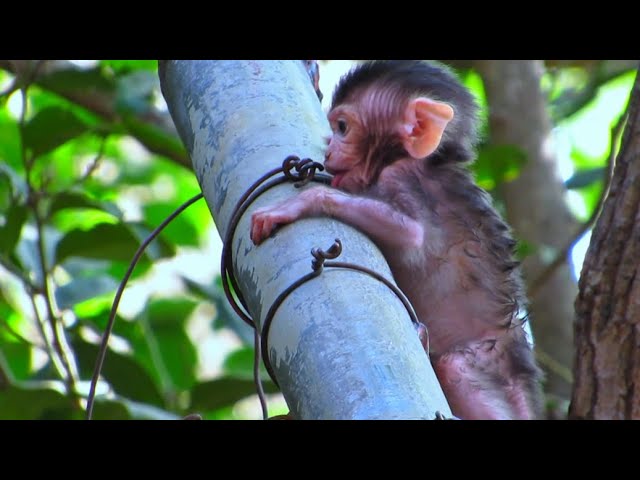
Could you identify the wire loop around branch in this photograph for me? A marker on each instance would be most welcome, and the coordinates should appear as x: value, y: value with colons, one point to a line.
x: 300, y: 172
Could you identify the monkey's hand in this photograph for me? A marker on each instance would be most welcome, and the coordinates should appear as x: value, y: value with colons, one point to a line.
x: 306, y: 203
x: 264, y: 220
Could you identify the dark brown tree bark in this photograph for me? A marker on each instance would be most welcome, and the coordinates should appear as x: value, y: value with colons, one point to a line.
x: 535, y: 207
x: 607, y: 332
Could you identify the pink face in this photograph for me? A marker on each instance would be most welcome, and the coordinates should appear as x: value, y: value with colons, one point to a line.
x: 344, y: 157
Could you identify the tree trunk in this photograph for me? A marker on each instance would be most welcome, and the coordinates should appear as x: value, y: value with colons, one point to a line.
x: 535, y: 207
x: 342, y: 346
x: 607, y: 334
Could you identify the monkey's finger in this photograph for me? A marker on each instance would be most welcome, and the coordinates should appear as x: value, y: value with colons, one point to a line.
x: 267, y: 226
x: 256, y: 228
x: 262, y: 225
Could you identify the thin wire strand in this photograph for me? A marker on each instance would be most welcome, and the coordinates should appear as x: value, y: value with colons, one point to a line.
x: 116, y: 301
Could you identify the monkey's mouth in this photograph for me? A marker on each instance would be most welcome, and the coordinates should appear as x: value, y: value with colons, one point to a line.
x: 338, y: 175
x: 337, y: 178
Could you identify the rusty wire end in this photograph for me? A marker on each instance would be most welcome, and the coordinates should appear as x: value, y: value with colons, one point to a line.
x: 319, y: 255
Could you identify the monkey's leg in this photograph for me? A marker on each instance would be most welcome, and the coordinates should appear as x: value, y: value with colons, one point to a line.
x: 479, y: 382
x: 423, y: 335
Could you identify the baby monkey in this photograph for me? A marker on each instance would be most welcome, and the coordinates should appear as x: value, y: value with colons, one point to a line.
x: 402, y: 133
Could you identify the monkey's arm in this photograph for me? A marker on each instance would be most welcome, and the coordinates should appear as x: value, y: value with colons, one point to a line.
x: 379, y: 220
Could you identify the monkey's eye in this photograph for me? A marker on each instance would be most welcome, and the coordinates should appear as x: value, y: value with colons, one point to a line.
x: 342, y: 126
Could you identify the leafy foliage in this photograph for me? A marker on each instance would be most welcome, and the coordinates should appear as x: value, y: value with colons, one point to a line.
x: 78, y: 195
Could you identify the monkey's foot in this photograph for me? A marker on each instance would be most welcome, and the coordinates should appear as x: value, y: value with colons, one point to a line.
x: 423, y: 335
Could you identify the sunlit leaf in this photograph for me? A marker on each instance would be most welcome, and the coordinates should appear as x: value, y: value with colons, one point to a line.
x: 10, y: 152
x: 224, y: 413
x: 17, y: 354
x: 124, y: 66
x: 51, y: 128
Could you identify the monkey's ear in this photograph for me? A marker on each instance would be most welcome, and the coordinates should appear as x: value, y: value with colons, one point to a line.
x: 424, y: 124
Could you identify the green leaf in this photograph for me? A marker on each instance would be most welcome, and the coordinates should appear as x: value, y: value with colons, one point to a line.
x: 10, y: 232
x: 51, y: 128
x: 159, y: 248
x: 72, y: 79
x: 586, y: 177
x: 497, y: 164
x: 104, y: 409
x: 105, y: 241
x: 17, y: 354
x: 22, y: 402
x: 180, y: 230
x: 168, y: 313
x: 239, y: 364
x: 125, y: 66
x: 123, y: 372
x: 155, y: 138
x: 6, y: 191
x: 10, y: 151
x: 76, y: 200
x: 167, y: 319
x: 524, y: 249
x: 140, y: 338
x: 83, y: 288
x: 223, y: 392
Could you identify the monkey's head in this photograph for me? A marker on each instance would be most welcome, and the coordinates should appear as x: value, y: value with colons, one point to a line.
x: 384, y: 111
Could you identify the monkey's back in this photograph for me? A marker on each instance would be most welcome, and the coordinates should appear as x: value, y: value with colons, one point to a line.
x: 471, y: 286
